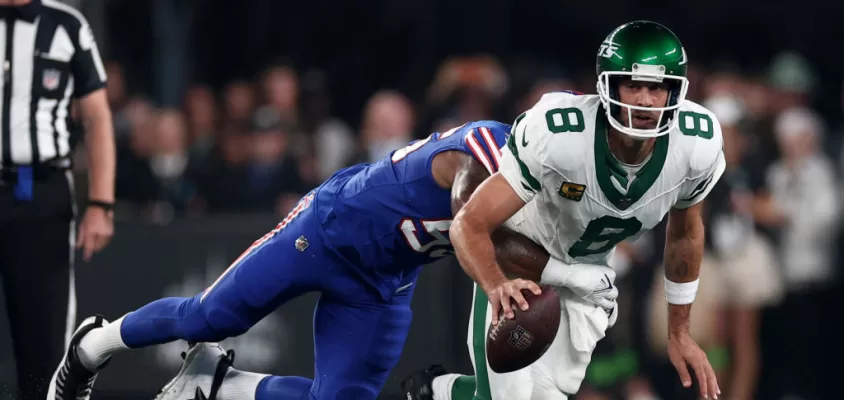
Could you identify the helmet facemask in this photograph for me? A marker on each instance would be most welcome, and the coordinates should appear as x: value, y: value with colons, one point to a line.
x: 608, y: 91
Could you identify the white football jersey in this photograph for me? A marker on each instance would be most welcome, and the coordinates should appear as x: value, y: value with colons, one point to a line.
x: 581, y: 201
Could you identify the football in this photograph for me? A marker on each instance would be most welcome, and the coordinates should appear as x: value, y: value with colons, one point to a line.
x: 516, y: 343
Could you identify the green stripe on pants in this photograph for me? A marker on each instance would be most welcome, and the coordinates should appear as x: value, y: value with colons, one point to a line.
x: 479, y: 328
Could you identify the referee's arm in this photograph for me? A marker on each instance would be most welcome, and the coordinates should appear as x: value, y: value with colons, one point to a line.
x: 97, y: 227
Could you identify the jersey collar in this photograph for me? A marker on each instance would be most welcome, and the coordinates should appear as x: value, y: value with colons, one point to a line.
x: 612, y: 176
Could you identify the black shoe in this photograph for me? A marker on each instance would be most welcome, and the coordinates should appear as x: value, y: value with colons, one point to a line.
x: 222, y: 368
x: 72, y: 380
x: 199, y: 395
x: 419, y: 386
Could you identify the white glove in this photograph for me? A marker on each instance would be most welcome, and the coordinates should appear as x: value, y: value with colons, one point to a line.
x: 592, y: 282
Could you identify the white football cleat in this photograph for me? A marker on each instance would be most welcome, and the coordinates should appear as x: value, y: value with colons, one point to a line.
x: 72, y: 381
x: 201, y: 375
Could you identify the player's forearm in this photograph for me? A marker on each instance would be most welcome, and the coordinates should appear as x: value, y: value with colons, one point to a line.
x: 101, y: 157
x: 519, y: 256
x: 516, y: 254
x: 683, y: 254
x: 679, y: 318
x: 474, y: 249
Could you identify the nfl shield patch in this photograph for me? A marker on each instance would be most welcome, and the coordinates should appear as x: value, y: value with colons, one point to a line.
x: 520, y: 338
x: 51, y: 79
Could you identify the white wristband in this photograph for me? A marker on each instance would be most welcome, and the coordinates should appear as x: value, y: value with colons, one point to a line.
x: 681, y: 293
x: 556, y: 273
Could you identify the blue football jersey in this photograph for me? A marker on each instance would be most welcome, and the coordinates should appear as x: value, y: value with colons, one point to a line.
x: 389, y: 217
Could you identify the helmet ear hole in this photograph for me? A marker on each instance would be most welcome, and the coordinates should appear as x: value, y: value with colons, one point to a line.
x: 673, y: 99
x: 674, y: 93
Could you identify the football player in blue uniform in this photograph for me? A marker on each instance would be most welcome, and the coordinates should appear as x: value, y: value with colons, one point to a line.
x: 359, y: 239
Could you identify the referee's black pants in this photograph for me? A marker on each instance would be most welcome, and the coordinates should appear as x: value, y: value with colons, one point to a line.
x: 36, y: 266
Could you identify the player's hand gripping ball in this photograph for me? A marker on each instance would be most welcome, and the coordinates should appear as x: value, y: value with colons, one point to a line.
x: 516, y: 343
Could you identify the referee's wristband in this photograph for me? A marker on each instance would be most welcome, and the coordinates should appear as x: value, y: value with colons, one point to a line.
x: 101, y: 204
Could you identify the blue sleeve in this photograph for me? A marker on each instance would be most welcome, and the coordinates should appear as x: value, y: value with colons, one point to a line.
x: 485, y: 143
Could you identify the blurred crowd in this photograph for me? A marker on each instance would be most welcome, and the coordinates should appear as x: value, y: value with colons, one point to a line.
x: 773, y: 220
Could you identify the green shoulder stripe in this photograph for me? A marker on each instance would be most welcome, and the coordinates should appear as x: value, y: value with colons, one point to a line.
x: 526, y: 174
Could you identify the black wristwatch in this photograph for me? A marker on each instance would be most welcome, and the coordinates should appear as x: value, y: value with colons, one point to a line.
x: 101, y: 204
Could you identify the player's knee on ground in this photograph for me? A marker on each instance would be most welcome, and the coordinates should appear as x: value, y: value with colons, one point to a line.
x: 210, y: 321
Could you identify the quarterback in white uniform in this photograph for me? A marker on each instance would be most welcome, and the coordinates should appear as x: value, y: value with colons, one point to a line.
x: 580, y: 174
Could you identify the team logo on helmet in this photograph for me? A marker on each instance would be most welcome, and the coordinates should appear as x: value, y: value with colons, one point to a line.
x: 607, y: 49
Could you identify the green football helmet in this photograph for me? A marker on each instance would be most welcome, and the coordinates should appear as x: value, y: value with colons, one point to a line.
x: 642, y: 51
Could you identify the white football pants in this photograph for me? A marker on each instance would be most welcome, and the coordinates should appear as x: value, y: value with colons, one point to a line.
x: 559, y: 372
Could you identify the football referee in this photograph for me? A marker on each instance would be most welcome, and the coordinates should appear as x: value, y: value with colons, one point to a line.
x: 49, y: 62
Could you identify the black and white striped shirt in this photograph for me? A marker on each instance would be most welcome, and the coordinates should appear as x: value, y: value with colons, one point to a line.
x: 49, y: 58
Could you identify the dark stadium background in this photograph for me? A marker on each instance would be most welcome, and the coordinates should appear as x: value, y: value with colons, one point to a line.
x: 203, y: 90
